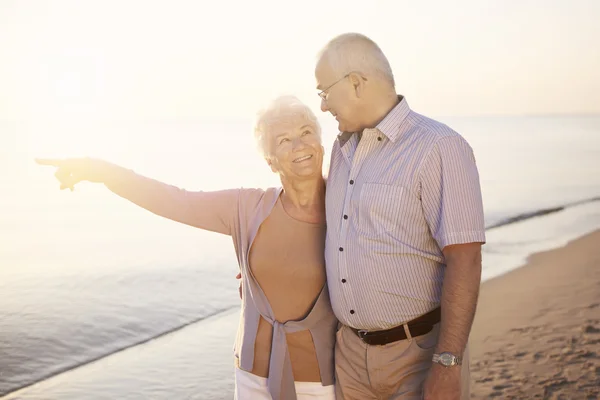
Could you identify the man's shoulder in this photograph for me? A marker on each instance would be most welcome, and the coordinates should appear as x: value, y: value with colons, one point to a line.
x: 430, y: 134
x: 432, y: 129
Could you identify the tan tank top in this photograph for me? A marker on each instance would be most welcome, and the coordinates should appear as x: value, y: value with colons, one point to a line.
x: 287, y: 261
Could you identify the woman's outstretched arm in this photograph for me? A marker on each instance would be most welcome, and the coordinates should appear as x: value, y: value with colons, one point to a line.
x: 213, y: 211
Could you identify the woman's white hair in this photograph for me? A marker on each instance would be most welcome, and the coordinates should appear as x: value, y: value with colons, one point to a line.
x: 355, y: 52
x: 280, y: 110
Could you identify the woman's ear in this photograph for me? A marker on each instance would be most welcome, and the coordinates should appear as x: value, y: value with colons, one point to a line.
x: 270, y: 164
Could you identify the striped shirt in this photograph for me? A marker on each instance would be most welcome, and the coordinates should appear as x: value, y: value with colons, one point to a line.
x: 395, y: 198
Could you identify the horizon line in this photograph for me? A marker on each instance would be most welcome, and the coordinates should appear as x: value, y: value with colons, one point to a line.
x: 244, y: 117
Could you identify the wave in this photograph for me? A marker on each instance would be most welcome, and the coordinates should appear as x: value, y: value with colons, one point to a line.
x: 539, y: 213
x: 118, y: 350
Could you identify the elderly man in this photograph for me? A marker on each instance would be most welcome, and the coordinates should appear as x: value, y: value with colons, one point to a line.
x: 404, y: 233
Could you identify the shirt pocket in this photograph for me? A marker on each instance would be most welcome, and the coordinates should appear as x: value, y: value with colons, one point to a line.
x: 380, y: 208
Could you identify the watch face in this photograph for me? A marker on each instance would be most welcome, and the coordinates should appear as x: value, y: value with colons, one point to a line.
x: 446, y: 359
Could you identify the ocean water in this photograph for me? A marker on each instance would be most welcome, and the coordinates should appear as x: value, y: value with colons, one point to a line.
x: 103, y: 300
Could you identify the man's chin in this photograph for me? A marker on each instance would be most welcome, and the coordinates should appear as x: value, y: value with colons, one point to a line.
x: 344, y: 127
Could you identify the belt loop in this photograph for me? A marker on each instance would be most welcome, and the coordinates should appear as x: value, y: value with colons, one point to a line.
x: 407, y: 331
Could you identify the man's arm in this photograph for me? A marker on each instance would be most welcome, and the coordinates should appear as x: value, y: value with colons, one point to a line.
x: 459, y: 296
x: 453, y: 208
x: 452, y: 203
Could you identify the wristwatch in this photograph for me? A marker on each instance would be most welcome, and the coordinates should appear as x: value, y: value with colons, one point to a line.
x: 447, y: 359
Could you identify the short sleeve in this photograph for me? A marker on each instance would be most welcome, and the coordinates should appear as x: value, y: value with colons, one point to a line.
x: 451, y: 193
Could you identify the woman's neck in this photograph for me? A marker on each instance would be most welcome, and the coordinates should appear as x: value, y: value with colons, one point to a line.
x: 305, y: 199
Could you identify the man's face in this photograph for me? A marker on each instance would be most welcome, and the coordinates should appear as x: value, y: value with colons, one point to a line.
x: 338, y: 97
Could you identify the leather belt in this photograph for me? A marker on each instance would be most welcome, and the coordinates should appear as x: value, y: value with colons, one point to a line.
x: 417, y: 327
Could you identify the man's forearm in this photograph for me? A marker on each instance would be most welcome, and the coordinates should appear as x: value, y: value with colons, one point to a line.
x: 460, y: 291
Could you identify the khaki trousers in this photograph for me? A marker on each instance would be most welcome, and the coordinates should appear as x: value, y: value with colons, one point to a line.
x: 396, y: 370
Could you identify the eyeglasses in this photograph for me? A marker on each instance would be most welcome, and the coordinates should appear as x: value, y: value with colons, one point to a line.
x: 323, y: 93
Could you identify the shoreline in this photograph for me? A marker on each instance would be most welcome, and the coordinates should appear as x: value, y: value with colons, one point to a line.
x: 536, y: 332
x: 536, y: 335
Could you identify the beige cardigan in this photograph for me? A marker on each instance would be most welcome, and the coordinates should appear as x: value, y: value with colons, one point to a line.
x: 239, y: 213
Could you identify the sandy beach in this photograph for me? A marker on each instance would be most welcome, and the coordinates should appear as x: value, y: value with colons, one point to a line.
x: 536, y: 334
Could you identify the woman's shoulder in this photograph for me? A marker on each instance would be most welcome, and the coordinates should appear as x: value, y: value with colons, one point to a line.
x: 257, y: 198
x: 257, y: 194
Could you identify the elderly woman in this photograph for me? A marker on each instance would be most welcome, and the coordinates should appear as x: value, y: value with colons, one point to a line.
x: 285, y: 342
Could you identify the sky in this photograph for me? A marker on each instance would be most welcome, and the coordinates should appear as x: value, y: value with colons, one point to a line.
x: 188, y: 59
x: 106, y: 78
x: 167, y: 87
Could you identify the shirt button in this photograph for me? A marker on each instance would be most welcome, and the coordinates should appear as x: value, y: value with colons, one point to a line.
x: 351, y: 311
x: 341, y: 249
x: 379, y: 138
x: 343, y: 281
x: 352, y: 181
x: 345, y: 216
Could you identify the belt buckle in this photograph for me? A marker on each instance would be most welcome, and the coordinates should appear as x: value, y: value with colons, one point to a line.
x: 362, y: 333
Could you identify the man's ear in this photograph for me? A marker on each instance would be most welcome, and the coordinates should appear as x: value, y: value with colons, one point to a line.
x: 358, y: 83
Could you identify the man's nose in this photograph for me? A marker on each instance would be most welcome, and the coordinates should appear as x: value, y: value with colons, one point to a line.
x: 324, y: 106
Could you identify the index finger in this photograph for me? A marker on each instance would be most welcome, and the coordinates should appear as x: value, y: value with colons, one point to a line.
x: 53, y: 162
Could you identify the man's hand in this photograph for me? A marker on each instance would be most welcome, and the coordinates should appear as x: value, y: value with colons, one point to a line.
x: 442, y: 383
x: 71, y: 171
x: 239, y: 276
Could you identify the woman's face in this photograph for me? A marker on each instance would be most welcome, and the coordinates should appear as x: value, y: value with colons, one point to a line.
x: 295, y: 149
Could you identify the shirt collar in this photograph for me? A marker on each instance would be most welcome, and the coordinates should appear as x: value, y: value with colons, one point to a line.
x: 389, y: 126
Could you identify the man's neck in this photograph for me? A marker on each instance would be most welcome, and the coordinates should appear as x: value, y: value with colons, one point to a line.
x: 381, y: 109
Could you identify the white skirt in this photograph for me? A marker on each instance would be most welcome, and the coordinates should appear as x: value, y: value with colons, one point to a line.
x: 252, y: 387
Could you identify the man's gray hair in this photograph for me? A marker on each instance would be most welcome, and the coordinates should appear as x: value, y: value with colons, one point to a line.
x: 282, y: 109
x: 355, y: 52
